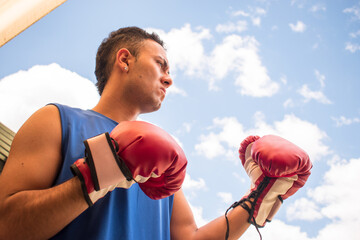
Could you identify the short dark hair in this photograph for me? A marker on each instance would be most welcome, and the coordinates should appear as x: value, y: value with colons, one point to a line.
x: 128, y: 37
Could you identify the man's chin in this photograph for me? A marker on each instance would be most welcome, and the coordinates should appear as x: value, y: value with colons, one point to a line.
x: 152, y: 108
x: 157, y: 107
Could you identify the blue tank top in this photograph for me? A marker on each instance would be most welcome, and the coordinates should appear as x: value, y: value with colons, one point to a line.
x: 122, y: 213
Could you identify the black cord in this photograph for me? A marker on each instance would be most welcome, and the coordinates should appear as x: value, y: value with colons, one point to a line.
x: 254, y: 195
x: 246, y: 207
x: 256, y: 227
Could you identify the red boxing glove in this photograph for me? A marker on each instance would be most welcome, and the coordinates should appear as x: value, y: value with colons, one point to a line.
x: 134, y: 151
x: 277, y: 169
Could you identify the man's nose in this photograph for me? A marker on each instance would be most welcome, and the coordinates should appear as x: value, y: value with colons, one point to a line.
x: 166, y: 80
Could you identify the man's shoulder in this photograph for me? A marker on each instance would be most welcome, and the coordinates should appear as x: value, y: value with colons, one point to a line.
x: 70, y: 113
x: 60, y: 107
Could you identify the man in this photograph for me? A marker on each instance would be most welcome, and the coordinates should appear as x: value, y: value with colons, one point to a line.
x: 41, y: 199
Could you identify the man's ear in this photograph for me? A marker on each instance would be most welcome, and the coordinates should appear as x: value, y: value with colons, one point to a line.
x: 122, y: 58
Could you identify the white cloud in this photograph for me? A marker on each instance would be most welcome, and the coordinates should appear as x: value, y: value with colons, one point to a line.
x: 198, y: 215
x: 226, y: 135
x: 224, y: 143
x: 191, y: 187
x: 283, y: 79
x: 340, y: 121
x: 240, y: 13
x: 187, y: 127
x: 337, y: 194
x: 210, y: 146
x: 226, y: 197
x: 335, y: 199
x: 355, y: 34
x: 355, y: 11
x: 239, y: 26
x: 320, y: 78
x: 306, y: 135
x: 240, y: 55
x: 24, y: 92
x: 298, y: 3
x: 313, y: 95
x: 254, y: 14
x: 235, y: 55
x: 185, y: 49
x: 355, y: 16
x: 175, y: 90
x: 318, y: 42
x: 303, y: 209
x: 281, y: 231
x: 318, y: 96
x: 348, y: 230
x: 240, y: 177
x: 260, y: 11
x: 277, y: 230
x: 298, y: 27
x: 289, y: 103
x: 352, y: 47
x: 318, y: 7
x: 191, y: 184
x: 256, y: 21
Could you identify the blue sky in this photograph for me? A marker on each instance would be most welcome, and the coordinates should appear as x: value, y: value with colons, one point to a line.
x: 240, y: 68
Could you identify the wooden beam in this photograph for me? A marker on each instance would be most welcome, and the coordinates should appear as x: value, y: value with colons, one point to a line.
x: 18, y: 15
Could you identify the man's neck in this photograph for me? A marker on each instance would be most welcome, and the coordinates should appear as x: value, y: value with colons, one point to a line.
x: 116, y: 110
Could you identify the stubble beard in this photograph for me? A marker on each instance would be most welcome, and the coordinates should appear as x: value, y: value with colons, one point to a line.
x: 151, y: 104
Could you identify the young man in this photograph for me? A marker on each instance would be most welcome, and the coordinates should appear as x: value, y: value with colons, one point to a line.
x: 41, y: 199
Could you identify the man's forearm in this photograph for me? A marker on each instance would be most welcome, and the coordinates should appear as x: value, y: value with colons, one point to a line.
x: 216, y: 229
x: 183, y: 225
x: 40, y: 214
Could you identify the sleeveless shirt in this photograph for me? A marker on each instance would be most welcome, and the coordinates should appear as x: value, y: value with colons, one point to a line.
x: 123, y: 213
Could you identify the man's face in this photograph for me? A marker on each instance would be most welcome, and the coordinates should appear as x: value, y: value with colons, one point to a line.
x: 149, y: 77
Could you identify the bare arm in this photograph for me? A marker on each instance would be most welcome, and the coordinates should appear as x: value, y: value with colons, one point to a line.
x: 183, y: 225
x: 29, y: 207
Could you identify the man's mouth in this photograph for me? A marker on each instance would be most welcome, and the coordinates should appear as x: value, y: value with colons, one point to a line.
x: 163, y: 90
